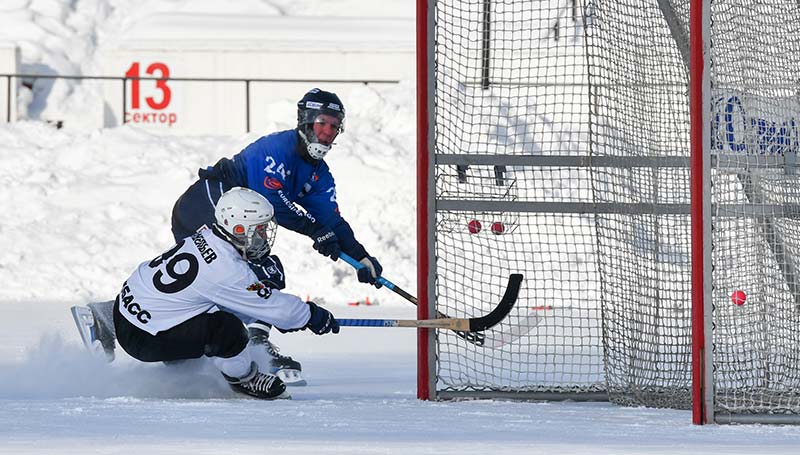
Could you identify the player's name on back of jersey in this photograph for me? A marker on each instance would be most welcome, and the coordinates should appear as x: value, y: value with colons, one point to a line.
x: 208, y: 254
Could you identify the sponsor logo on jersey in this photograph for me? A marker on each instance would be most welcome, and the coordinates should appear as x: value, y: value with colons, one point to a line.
x: 126, y: 300
x: 260, y: 289
x: 255, y: 287
x: 290, y: 205
x: 271, y: 183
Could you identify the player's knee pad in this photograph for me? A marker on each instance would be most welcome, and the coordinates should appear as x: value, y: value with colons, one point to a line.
x: 228, y: 335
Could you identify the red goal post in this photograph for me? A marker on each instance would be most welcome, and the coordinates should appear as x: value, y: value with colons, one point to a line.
x: 638, y: 161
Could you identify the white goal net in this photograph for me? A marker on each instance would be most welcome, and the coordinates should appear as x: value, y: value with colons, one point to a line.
x: 560, y: 148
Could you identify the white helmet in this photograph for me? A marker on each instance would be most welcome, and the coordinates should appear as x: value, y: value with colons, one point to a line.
x: 246, y: 219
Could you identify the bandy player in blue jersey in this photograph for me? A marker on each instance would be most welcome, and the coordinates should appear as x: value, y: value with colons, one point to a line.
x: 288, y: 168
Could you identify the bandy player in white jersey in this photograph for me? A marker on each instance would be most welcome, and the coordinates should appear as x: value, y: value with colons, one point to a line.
x: 195, y: 298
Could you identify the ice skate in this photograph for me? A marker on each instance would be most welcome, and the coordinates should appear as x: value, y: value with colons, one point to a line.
x: 259, y: 385
x: 283, y: 366
x: 98, y: 339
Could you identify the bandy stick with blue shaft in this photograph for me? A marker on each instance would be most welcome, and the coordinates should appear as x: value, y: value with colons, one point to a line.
x: 525, y: 325
x: 458, y: 324
x: 357, y: 265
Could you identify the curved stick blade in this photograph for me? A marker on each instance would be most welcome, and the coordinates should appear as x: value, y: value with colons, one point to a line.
x: 502, y: 309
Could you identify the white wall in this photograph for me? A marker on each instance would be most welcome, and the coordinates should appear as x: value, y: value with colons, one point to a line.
x: 9, y: 64
x: 259, y: 48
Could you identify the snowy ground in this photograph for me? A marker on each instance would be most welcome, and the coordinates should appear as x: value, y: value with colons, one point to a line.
x: 361, y: 399
x: 82, y: 208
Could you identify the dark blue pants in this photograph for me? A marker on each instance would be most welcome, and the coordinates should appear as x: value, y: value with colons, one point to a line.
x: 194, y: 210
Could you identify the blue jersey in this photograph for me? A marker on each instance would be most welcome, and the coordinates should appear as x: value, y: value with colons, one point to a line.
x: 273, y: 167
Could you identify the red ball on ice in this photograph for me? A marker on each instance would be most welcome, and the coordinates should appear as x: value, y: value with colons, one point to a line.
x: 498, y: 228
x: 738, y: 297
x: 474, y: 226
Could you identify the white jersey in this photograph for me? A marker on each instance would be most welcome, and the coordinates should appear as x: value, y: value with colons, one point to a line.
x: 198, y: 274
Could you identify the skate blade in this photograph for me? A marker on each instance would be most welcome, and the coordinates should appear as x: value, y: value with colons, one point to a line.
x: 85, y: 323
x: 293, y: 378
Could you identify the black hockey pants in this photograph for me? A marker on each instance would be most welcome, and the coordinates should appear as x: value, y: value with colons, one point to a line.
x: 219, y: 334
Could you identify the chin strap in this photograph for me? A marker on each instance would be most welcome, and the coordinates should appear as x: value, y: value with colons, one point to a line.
x: 229, y: 238
x: 315, y: 149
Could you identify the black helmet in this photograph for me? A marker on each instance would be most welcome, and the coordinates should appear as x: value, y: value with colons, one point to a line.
x: 314, y: 103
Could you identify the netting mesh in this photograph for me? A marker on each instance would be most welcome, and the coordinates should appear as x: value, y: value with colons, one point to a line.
x: 566, y: 123
x: 641, y: 111
x: 511, y: 80
x: 754, y: 78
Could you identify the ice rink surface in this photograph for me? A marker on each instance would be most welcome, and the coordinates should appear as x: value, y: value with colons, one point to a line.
x: 82, y: 208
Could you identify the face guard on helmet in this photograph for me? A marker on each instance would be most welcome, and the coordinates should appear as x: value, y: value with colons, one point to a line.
x: 245, y: 218
x: 321, y: 108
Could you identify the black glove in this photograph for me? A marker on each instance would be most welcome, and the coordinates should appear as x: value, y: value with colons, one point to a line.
x: 269, y: 271
x: 321, y: 320
x: 327, y: 243
x: 370, y: 272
